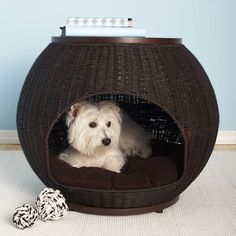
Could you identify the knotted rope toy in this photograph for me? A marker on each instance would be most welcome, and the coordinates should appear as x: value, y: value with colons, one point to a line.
x: 24, y: 216
x: 50, y: 205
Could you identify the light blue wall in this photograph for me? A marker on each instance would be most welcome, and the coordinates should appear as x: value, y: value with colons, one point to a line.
x: 207, y: 27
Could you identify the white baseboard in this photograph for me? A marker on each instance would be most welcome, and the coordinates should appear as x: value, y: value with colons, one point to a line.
x: 9, y: 137
x: 224, y: 137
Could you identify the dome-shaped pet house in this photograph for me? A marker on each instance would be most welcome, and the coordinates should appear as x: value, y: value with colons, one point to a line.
x: 158, y: 82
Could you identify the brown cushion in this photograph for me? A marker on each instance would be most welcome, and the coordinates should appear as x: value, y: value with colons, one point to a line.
x: 137, y: 173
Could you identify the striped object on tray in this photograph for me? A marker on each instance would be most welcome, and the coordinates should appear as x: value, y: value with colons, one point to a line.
x: 99, y: 21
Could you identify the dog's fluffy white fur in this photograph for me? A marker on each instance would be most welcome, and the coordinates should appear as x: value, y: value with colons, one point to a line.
x: 103, y: 135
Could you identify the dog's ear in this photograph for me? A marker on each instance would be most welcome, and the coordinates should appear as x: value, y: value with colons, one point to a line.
x: 114, y: 107
x: 110, y: 105
x: 73, y: 112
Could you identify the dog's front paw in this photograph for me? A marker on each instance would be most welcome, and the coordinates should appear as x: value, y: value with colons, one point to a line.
x: 113, y: 166
x: 63, y: 156
x: 114, y: 163
x: 114, y: 169
x: 71, y: 160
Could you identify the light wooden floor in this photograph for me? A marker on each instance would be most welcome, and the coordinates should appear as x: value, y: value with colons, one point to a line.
x: 219, y: 147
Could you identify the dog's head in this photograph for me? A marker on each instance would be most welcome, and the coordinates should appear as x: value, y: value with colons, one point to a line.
x: 92, y: 126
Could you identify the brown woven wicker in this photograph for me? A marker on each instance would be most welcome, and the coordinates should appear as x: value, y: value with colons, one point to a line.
x: 157, y: 81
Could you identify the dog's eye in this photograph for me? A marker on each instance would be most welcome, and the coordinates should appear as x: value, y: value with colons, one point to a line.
x: 108, y: 124
x: 92, y: 125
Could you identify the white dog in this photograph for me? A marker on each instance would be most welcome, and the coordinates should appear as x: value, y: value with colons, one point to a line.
x: 102, y: 135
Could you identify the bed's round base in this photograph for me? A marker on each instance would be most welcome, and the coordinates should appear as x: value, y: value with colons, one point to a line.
x: 121, y: 211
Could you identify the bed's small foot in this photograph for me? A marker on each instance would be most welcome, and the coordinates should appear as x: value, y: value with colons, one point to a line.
x: 159, y: 211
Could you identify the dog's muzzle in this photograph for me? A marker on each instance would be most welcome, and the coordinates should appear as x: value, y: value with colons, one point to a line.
x: 106, y: 141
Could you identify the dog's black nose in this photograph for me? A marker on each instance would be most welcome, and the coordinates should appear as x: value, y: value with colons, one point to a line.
x: 106, y: 141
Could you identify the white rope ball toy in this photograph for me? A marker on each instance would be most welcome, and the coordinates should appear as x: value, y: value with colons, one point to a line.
x: 24, y: 216
x: 50, y: 205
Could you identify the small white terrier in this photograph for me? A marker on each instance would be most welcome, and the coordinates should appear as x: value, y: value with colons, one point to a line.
x: 102, y: 135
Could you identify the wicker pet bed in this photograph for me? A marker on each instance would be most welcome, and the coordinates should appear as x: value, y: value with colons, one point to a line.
x: 158, y: 82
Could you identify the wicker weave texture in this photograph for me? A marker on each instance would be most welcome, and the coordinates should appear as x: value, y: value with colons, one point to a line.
x: 168, y: 76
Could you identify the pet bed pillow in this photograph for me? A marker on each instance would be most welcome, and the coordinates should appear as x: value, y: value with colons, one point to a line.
x: 137, y: 173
